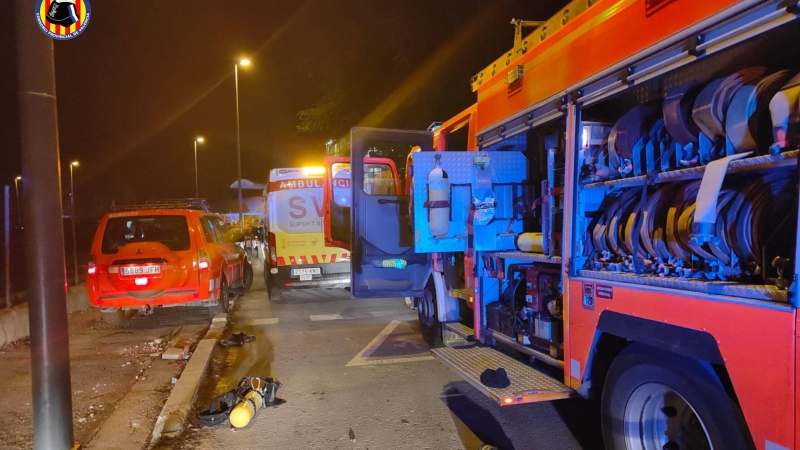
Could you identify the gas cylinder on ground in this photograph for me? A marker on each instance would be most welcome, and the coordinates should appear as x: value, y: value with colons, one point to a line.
x: 243, y: 413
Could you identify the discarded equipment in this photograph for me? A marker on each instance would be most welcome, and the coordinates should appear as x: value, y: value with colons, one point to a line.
x: 241, y: 405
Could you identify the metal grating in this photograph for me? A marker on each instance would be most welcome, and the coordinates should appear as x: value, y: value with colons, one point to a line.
x: 523, y: 256
x: 785, y: 159
x: 729, y: 288
x: 460, y: 329
x: 528, y: 385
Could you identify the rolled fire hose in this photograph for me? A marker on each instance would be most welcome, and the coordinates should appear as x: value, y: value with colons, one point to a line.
x: 713, y: 101
x: 784, y: 109
x: 629, y: 129
x: 678, y: 113
x: 743, y: 117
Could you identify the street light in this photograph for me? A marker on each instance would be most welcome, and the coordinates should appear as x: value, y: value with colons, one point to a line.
x: 16, y: 188
x: 244, y: 63
x: 196, y: 185
x: 72, y: 165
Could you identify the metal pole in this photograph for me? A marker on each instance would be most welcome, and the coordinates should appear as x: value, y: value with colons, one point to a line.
x: 44, y: 236
x: 72, y: 222
x: 196, y: 185
x: 238, y: 146
x: 7, y: 232
x: 19, y: 210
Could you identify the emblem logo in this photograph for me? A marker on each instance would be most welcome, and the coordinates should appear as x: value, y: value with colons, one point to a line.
x: 63, y: 19
x: 139, y: 251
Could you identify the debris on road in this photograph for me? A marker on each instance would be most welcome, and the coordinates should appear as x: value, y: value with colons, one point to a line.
x: 352, y: 436
x: 237, y: 340
x: 241, y: 405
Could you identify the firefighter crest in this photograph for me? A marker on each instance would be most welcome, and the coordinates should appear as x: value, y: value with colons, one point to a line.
x: 63, y: 19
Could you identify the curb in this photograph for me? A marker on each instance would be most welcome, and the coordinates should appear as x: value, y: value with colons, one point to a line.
x: 175, y: 413
x: 14, y: 321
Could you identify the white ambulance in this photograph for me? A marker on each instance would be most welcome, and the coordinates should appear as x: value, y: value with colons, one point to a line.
x: 296, y: 256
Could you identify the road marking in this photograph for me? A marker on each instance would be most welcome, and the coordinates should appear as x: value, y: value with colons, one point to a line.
x: 324, y: 317
x: 363, y: 357
x: 266, y: 321
x: 381, y: 313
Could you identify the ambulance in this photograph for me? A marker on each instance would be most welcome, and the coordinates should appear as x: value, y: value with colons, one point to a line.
x: 297, y: 256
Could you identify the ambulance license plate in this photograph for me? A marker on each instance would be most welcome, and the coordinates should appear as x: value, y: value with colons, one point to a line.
x: 306, y: 272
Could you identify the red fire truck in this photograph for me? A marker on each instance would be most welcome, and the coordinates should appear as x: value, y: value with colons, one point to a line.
x: 621, y: 225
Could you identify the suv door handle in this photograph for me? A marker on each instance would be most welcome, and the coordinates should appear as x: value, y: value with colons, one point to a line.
x: 386, y: 201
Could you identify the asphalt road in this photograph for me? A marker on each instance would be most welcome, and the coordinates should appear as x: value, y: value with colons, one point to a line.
x: 362, y: 365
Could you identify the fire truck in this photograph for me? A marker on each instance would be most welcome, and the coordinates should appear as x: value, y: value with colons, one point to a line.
x: 619, y: 224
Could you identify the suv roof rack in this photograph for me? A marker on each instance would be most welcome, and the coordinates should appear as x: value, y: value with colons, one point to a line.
x: 176, y: 203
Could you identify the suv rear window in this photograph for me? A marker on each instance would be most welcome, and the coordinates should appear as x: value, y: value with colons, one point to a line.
x: 172, y: 231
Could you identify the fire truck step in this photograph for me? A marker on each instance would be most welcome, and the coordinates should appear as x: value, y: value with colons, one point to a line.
x: 460, y: 329
x: 464, y: 294
x: 457, y: 334
x: 528, y: 385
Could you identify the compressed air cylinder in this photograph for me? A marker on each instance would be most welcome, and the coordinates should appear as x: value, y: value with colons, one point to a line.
x: 438, y: 200
x: 530, y: 242
x: 243, y: 413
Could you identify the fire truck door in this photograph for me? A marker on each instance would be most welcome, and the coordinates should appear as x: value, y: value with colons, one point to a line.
x: 383, y: 262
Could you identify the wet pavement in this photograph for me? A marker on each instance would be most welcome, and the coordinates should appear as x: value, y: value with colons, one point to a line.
x: 360, y: 368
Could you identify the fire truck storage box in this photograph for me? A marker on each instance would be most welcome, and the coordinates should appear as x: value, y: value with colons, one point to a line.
x: 508, y: 166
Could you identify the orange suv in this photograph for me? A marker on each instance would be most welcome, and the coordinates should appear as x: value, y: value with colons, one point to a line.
x: 168, y: 253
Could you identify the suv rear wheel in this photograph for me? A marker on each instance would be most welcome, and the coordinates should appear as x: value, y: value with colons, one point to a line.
x: 248, y: 275
x: 224, y: 299
x: 119, y: 317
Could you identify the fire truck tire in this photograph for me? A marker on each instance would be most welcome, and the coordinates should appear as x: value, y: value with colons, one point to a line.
x: 427, y: 312
x: 656, y: 399
x: 118, y: 318
x: 248, y: 275
x: 224, y: 299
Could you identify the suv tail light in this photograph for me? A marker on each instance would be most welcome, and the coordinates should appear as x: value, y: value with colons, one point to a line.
x: 273, y: 255
x: 91, y: 266
x: 203, y: 259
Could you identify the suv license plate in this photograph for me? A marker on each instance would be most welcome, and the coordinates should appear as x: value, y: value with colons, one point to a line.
x: 140, y: 270
x: 311, y: 271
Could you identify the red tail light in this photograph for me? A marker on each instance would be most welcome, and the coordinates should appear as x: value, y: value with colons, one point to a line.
x: 273, y: 255
x: 203, y: 259
x: 91, y: 266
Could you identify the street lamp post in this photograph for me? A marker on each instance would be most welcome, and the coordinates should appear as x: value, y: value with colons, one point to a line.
x: 196, y: 185
x: 72, y: 165
x: 243, y: 63
x: 19, y: 210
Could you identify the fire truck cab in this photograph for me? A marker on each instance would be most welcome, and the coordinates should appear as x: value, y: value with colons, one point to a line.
x: 623, y: 222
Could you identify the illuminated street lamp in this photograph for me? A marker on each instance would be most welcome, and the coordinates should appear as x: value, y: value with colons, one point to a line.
x: 244, y: 63
x: 72, y: 165
x: 196, y: 185
x: 16, y: 188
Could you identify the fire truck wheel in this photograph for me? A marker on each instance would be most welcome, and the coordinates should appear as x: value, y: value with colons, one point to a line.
x: 428, y: 316
x: 224, y: 299
x: 659, y: 400
x: 248, y: 275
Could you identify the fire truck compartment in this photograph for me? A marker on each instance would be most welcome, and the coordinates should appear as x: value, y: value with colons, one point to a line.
x: 528, y: 384
x: 685, y: 181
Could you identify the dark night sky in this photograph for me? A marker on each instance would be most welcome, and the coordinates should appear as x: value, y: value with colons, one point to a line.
x: 148, y: 76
